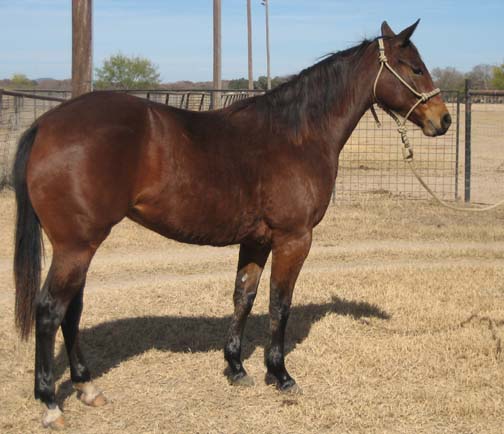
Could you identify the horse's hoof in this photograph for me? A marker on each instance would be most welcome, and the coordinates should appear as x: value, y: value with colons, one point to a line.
x: 292, y: 389
x: 243, y: 381
x: 90, y: 395
x: 53, y: 419
x: 97, y: 401
x: 289, y: 386
x: 270, y: 379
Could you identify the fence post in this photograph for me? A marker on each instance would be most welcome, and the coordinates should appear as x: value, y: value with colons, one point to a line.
x: 467, y: 162
x: 457, y: 148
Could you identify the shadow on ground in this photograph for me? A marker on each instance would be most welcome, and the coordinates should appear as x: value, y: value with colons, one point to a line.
x: 108, y: 344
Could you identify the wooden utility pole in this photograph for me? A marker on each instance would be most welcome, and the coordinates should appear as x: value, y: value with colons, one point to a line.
x: 249, y: 28
x: 82, y: 51
x: 266, y: 5
x: 217, y: 60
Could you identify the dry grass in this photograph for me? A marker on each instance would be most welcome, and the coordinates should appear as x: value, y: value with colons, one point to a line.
x: 396, y: 328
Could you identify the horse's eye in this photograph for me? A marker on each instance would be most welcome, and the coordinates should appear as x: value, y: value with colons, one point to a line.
x: 417, y: 71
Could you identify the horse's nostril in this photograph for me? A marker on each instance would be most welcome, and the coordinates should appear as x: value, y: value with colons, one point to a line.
x: 446, y: 121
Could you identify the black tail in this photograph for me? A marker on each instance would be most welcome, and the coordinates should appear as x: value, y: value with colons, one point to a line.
x: 28, y: 240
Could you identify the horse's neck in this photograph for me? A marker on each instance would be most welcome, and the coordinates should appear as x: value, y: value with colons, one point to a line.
x: 346, y: 115
x: 345, y: 122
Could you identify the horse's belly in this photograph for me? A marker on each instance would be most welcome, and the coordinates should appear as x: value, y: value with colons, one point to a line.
x: 215, y: 224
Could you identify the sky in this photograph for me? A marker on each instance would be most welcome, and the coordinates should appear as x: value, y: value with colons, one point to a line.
x: 176, y: 35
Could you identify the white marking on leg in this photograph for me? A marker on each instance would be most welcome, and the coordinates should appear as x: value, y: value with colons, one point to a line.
x: 89, y: 392
x: 244, y: 278
x: 52, y: 416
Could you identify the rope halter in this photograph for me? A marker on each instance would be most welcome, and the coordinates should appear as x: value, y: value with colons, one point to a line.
x: 422, y: 98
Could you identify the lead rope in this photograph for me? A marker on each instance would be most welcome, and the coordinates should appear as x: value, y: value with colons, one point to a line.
x: 407, y: 150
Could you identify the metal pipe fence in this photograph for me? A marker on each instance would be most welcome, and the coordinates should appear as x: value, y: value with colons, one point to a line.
x: 195, y: 100
x: 371, y: 162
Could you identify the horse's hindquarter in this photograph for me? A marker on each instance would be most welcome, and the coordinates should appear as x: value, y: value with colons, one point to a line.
x: 83, y: 164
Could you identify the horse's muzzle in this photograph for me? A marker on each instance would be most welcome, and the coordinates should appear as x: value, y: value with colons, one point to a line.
x: 432, y: 128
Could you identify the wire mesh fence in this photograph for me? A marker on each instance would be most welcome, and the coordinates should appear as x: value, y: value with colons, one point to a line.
x: 372, y: 163
x: 17, y: 113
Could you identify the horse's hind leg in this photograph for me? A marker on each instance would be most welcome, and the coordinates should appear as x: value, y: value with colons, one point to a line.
x: 250, y: 265
x: 64, y: 281
x: 289, y: 253
x: 88, y: 393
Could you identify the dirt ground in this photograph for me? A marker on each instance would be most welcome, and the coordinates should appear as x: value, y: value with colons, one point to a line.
x: 396, y: 327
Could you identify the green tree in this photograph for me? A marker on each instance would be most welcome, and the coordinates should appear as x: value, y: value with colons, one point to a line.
x: 498, y: 77
x: 262, y: 82
x: 238, y: 84
x: 20, y: 81
x: 123, y: 72
x: 277, y: 81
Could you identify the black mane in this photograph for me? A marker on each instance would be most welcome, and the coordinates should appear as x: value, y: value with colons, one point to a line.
x: 306, y: 99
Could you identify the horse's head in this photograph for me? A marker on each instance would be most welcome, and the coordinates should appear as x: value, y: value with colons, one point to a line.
x: 404, y: 84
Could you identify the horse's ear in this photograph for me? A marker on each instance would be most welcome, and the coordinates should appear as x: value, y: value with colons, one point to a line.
x: 386, y: 30
x: 405, y: 36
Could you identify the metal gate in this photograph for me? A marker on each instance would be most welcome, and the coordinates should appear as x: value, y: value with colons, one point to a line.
x: 484, y: 145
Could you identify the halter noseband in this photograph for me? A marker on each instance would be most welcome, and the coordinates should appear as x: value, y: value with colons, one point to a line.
x: 422, y: 98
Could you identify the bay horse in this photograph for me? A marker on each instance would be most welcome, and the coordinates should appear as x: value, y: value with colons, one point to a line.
x: 258, y: 173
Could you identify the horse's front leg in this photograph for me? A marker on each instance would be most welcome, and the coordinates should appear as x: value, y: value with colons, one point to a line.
x: 289, y: 253
x: 250, y: 265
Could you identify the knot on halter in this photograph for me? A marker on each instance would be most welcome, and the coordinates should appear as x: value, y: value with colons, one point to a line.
x: 424, y: 97
x: 382, y: 57
x: 381, y: 48
x: 404, y: 134
x: 406, y: 150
